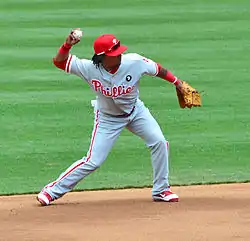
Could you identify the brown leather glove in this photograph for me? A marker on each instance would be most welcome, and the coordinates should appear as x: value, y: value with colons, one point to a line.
x: 188, y: 96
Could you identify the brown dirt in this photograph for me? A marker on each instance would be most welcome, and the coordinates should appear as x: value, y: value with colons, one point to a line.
x: 216, y: 212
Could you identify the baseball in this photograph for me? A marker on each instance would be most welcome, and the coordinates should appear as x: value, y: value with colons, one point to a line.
x: 77, y: 34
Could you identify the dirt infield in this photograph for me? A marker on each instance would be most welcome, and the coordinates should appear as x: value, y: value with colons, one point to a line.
x: 216, y: 213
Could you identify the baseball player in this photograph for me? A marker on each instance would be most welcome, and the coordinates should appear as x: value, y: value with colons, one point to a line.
x: 115, y: 78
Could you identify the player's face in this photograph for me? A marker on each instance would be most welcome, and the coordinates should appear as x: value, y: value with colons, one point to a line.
x: 110, y: 62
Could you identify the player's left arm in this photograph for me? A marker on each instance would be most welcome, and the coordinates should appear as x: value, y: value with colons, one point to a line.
x: 165, y: 74
x: 187, y: 95
x: 152, y: 68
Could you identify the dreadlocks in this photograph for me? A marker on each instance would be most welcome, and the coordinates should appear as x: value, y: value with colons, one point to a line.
x: 97, y: 60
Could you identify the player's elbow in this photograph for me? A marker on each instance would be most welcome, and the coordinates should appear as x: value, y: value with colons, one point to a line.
x: 59, y: 64
x: 55, y: 62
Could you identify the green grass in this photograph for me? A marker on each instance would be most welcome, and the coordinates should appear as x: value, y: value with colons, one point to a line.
x: 46, y: 117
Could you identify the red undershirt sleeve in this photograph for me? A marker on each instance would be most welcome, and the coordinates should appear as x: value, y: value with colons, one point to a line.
x: 60, y: 65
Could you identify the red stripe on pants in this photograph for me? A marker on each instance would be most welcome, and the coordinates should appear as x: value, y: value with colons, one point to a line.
x: 87, y: 159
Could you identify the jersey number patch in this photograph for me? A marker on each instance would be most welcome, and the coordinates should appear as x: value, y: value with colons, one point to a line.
x: 128, y: 78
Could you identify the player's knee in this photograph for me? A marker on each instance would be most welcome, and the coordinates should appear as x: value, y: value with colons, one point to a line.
x: 162, y: 143
x: 95, y: 164
x: 159, y: 141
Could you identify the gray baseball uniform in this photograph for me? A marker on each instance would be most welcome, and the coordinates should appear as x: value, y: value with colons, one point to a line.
x: 118, y: 106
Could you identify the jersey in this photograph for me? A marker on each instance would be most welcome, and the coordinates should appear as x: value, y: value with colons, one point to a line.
x: 116, y: 93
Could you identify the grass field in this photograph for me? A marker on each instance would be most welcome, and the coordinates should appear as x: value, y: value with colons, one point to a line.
x: 46, y: 117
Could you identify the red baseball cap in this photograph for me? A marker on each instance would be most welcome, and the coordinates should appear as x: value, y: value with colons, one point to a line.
x: 109, y: 45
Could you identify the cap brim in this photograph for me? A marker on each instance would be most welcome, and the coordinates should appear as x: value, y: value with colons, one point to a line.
x: 118, y: 51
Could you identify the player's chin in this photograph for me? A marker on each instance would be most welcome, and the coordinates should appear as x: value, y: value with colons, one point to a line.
x: 115, y: 65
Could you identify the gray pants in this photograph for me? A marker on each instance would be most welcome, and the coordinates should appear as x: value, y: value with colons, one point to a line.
x: 106, y: 130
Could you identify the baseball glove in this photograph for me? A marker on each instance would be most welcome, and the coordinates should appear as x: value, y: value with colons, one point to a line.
x: 188, y: 96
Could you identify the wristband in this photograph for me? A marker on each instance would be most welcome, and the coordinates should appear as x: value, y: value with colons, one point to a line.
x: 171, y: 78
x: 177, y: 81
x: 65, y: 48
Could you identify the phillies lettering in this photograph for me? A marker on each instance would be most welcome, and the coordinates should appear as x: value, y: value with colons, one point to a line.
x: 114, y: 91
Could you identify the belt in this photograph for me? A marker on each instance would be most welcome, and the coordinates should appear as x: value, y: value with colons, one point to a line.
x: 126, y: 114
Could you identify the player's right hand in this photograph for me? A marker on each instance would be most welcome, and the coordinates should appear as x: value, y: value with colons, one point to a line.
x: 71, y: 40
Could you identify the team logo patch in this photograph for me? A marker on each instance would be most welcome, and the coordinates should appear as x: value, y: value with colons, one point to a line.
x: 128, y: 78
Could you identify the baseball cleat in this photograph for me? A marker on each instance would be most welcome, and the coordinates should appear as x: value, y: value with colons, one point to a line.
x: 166, y: 196
x: 44, y: 198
